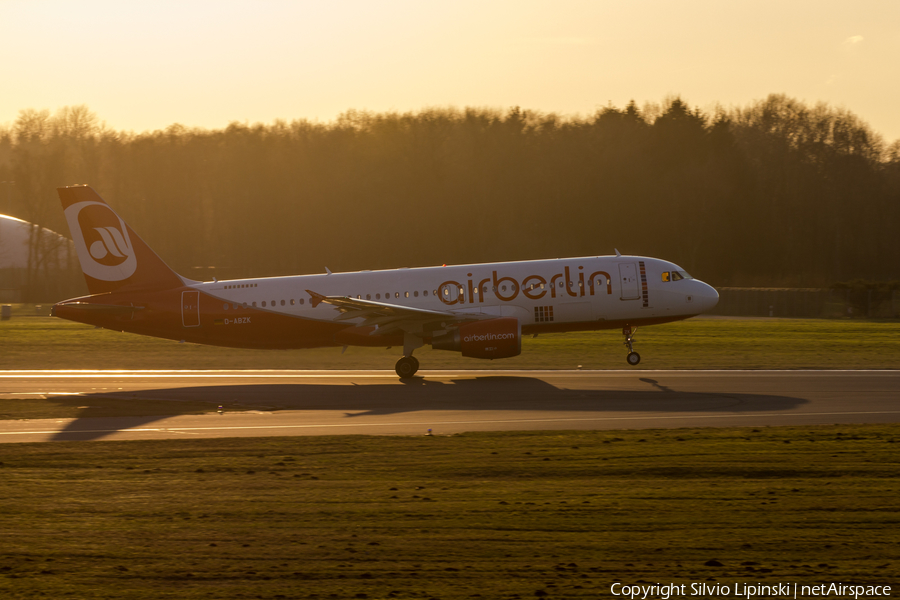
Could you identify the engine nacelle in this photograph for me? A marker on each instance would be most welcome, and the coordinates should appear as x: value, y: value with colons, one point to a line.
x: 494, y: 338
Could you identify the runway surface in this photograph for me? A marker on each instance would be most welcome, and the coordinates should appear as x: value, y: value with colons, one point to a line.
x: 281, y: 403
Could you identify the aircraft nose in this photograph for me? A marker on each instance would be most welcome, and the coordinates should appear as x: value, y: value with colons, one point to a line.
x: 709, y: 297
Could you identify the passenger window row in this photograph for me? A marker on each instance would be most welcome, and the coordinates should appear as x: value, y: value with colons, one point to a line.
x: 415, y: 294
x: 302, y: 301
x: 292, y: 302
x: 387, y: 296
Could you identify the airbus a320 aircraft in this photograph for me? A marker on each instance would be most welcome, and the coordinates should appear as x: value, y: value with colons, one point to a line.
x: 480, y: 310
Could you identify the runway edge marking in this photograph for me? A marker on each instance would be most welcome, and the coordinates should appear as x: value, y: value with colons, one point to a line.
x: 433, y: 423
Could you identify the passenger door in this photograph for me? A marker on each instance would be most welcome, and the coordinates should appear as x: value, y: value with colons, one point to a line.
x: 631, y: 289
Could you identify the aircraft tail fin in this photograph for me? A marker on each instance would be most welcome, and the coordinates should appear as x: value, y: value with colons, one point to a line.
x: 112, y: 256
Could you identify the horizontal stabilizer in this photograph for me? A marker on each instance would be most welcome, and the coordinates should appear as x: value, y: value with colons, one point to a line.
x: 109, y: 309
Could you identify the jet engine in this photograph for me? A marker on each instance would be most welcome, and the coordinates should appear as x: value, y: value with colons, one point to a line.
x: 494, y: 338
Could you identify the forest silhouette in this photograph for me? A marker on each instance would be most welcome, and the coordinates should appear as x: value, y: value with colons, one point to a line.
x: 777, y: 193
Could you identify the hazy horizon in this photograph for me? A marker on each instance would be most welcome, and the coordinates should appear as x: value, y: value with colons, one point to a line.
x: 143, y: 67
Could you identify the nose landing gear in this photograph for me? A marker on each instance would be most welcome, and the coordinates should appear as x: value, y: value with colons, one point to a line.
x: 633, y: 357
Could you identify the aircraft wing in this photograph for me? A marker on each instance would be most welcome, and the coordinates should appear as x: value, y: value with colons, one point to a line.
x: 387, y: 318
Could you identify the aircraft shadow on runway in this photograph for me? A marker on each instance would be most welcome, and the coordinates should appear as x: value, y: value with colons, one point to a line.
x: 470, y: 394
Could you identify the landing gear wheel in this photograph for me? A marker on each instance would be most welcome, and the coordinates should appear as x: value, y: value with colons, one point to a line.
x: 407, y: 367
x: 633, y: 357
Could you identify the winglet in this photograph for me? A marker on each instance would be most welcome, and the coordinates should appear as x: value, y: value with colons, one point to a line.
x: 315, y: 299
x: 327, y: 271
x: 617, y: 252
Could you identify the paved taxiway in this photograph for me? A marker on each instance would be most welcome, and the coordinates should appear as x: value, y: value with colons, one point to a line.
x: 282, y: 403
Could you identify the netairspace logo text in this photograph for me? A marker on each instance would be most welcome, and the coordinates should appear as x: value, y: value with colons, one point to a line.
x: 667, y: 591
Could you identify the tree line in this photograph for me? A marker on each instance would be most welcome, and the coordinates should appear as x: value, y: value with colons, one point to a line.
x: 776, y: 193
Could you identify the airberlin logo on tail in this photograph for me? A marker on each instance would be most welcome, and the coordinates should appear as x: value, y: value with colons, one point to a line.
x: 102, y: 242
x: 112, y: 242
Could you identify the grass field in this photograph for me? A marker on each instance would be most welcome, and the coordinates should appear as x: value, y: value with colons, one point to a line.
x: 486, y: 515
x: 700, y: 343
x: 493, y: 515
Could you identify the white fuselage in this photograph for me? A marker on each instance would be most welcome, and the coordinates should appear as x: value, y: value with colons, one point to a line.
x: 618, y: 290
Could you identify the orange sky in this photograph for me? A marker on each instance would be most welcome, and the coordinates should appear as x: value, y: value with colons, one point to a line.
x: 145, y: 65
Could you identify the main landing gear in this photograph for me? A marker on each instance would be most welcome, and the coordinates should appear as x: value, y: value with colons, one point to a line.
x: 407, y: 367
x: 633, y: 357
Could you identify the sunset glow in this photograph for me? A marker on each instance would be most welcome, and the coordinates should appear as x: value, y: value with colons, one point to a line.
x: 144, y: 66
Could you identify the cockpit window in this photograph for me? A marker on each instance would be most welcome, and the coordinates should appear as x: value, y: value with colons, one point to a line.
x: 676, y: 275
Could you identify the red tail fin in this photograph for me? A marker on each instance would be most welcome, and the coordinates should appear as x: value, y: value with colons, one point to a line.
x: 112, y: 256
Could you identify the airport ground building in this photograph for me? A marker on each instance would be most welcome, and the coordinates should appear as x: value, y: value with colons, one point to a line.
x: 36, y: 264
